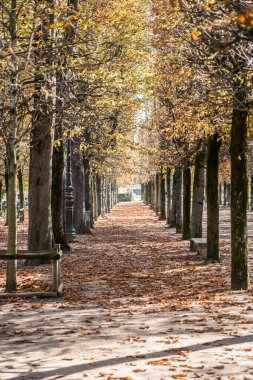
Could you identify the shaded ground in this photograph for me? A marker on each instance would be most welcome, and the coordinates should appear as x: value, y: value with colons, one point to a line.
x: 137, y: 305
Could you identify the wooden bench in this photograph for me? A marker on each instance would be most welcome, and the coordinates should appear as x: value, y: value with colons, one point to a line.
x: 200, y: 246
x: 54, y: 255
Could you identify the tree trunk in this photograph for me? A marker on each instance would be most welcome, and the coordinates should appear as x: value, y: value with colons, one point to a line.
x: 212, y: 178
x: 6, y: 181
x: 78, y: 192
x: 179, y: 201
x: 239, y: 200
x: 58, y: 192
x: 152, y: 203
x: 155, y: 194
x: 186, y: 230
x: 40, y: 183
x: 174, y: 203
x: 108, y: 190
x: 91, y: 200
x: 103, y: 197
x: 198, y: 195
x: 158, y: 194
x: 40, y: 234
x: 21, y: 196
x: 146, y: 192
x: 99, y: 195
x: 11, y: 276
x: 115, y: 192
x: 168, y: 177
x: 229, y: 194
x: 94, y: 192
x: 106, y: 195
x: 143, y: 192
x: 149, y: 193
x: 58, y: 178
x: 112, y: 192
x: 87, y: 200
x: 220, y: 194
x: 225, y: 194
x: 162, y: 196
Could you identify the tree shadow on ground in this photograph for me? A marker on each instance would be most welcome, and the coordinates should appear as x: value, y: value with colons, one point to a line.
x: 75, y: 369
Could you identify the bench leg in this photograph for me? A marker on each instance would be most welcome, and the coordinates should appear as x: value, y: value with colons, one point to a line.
x: 59, y: 272
x: 55, y: 275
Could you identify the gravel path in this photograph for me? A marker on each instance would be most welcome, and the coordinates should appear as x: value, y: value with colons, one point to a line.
x: 137, y: 305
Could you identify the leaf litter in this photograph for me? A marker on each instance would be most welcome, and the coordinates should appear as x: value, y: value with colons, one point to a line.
x: 126, y: 287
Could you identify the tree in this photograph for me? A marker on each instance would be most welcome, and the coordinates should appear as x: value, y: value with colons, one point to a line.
x: 213, y: 146
x: 239, y: 193
x: 198, y: 193
x: 14, y: 63
x: 186, y: 230
x: 40, y: 233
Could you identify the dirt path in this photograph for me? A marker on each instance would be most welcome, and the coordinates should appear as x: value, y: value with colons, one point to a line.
x: 137, y: 305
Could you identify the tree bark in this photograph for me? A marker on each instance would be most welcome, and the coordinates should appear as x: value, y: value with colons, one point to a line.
x: 58, y: 192
x: 174, y: 203
x: 6, y: 181
x: 58, y: 179
x: 212, y: 178
x: 149, y: 193
x: 11, y: 276
x: 220, y: 194
x: 21, y: 196
x: 143, y: 192
x: 103, y: 197
x: 112, y: 192
x: 239, y: 198
x: 78, y: 192
x: 87, y: 200
x: 94, y: 196
x: 155, y: 194
x: 229, y: 194
x: 40, y: 221
x: 186, y: 230
x: 108, y: 191
x: 106, y: 195
x: 152, y: 203
x: 91, y: 199
x: 40, y: 233
x: 179, y: 201
x: 225, y: 194
x: 198, y: 195
x: 99, y: 195
x: 168, y: 177
x: 162, y: 196
x: 158, y: 194
x: 146, y: 192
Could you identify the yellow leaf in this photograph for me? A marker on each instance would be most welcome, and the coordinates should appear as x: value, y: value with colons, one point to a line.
x: 195, y: 34
x: 160, y: 362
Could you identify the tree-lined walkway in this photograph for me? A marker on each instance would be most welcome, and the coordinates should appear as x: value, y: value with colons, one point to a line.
x: 137, y: 305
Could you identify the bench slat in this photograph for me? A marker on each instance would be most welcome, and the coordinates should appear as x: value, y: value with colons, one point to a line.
x: 29, y: 255
x: 29, y: 295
